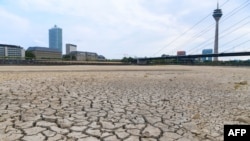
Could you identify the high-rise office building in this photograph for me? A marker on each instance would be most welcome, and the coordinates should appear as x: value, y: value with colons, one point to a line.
x: 55, y: 38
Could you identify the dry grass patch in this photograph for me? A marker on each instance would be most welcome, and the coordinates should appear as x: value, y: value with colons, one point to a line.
x: 237, y: 85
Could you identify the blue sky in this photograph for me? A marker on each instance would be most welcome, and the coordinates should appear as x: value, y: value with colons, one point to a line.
x: 119, y: 28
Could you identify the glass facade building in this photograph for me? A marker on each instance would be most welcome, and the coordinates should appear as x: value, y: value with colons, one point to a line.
x: 55, y: 38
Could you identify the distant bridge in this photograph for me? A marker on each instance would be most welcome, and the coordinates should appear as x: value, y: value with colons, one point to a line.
x: 196, y: 56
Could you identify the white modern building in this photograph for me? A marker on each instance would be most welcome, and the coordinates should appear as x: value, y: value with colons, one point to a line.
x: 11, y: 51
x: 70, y: 48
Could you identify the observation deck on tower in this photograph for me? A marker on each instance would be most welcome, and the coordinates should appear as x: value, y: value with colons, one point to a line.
x: 217, y: 13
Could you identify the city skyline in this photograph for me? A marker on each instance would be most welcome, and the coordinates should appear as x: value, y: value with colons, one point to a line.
x: 123, y: 28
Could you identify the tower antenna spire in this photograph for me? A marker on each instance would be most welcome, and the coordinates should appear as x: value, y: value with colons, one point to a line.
x: 217, y: 4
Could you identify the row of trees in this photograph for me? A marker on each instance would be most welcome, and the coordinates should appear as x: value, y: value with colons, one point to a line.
x: 29, y: 55
x: 128, y: 60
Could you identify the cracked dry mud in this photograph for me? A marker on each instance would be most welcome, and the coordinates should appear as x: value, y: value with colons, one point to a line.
x: 121, y: 103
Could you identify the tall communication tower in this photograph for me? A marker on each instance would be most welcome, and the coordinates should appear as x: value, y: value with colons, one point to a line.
x: 217, y: 15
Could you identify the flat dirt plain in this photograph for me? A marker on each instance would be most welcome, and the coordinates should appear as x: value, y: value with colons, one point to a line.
x: 122, y: 103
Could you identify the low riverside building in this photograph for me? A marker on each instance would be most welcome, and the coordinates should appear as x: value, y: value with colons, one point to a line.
x: 45, y: 53
x: 84, y: 56
x: 11, y: 52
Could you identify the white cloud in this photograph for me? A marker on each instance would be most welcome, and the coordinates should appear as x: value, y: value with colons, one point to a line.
x: 13, y: 27
x: 112, y: 12
x: 11, y: 21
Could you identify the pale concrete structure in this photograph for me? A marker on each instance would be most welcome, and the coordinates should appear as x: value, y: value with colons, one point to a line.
x: 70, y: 48
x: 217, y: 15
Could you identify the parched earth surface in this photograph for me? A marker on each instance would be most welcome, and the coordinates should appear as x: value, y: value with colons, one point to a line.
x: 121, y: 103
